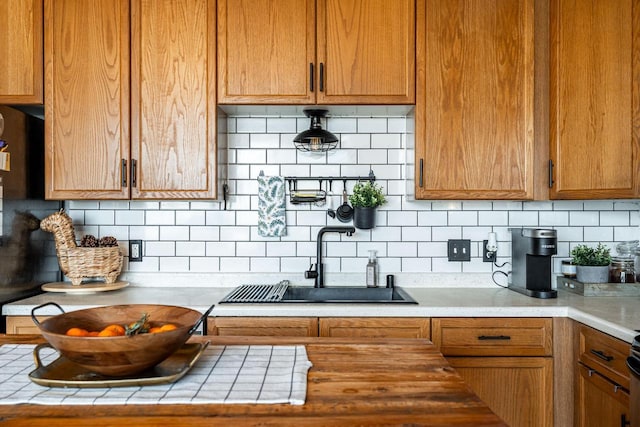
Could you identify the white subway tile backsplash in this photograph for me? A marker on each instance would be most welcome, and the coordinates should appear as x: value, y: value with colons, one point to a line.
x: 372, y: 125
x: 281, y: 125
x: 235, y: 265
x: 342, y: 125
x: 523, y: 218
x: 267, y: 140
x: 614, y: 218
x: 251, y: 125
x: 190, y: 217
x: 463, y: 218
x: 181, y: 232
x: 191, y: 249
x: 410, y: 236
x: 493, y: 218
x: 600, y: 234
x: 160, y: 249
x: 584, y: 218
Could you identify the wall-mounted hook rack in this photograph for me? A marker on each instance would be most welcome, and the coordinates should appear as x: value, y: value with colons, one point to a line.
x: 318, y: 195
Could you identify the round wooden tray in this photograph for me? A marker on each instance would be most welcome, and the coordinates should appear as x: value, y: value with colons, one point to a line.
x: 88, y: 287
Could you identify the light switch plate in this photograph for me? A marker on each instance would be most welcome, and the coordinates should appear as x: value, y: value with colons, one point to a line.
x: 459, y: 250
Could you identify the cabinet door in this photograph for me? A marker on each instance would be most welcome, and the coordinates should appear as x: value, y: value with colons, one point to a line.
x: 21, y: 58
x: 595, y: 98
x: 518, y: 389
x: 173, y: 130
x: 86, y: 99
x: 23, y: 325
x: 599, y: 402
x: 366, y: 51
x: 375, y: 327
x: 474, y: 107
x: 266, y: 51
x: 263, y: 326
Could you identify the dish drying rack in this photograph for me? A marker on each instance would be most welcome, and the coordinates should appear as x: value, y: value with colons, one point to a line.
x: 319, y: 195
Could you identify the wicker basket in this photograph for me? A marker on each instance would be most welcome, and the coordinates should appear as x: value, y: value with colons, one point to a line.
x: 89, y: 263
x: 78, y: 263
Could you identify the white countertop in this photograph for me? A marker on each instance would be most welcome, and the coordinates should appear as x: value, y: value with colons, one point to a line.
x: 619, y: 317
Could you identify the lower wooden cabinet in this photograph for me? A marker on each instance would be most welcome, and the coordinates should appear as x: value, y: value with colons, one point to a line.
x: 600, y: 402
x: 23, y: 325
x: 263, y: 326
x: 375, y: 327
x: 506, y: 361
x: 518, y: 389
x: 602, y: 380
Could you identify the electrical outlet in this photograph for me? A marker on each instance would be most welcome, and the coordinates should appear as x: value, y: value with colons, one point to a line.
x: 135, y: 250
x: 459, y: 250
x: 486, y: 255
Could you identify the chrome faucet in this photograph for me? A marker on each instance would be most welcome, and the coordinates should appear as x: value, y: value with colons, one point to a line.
x: 317, y: 273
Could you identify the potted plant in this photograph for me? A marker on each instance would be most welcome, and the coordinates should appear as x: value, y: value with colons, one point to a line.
x: 366, y: 197
x: 592, y: 264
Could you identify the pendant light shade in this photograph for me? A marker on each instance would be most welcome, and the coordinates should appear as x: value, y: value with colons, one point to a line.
x: 315, y: 138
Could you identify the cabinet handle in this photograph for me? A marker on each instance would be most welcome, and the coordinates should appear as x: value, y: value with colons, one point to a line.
x: 624, y: 422
x: 551, y: 173
x: 321, y: 77
x: 421, y: 178
x: 494, y: 337
x: 311, y: 76
x: 134, y: 164
x: 601, y: 355
x: 123, y: 173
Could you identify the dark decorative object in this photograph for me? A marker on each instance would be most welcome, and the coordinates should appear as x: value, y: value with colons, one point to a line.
x: 364, y: 218
x: 366, y: 197
x: 315, y: 138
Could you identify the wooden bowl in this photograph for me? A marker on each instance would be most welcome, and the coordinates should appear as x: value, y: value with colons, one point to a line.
x: 120, y: 355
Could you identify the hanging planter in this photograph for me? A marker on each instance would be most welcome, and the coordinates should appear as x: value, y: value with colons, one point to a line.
x: 364, y: 218
x: 366, y: 197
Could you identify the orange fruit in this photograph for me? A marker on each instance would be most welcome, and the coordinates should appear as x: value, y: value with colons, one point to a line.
x: 155, y: 330
x: 168, y: 327
x: 77, y: 332
x: 112, y: 331
x: 93, y: 333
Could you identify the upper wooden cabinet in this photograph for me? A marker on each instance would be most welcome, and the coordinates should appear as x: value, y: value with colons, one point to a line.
x: 173, y: 99
x: 474, y: 136
x: 87, y: 99
x: 21, y: 58
x: 595, y: 98
x: 338, y: 52
x: 130, y: 99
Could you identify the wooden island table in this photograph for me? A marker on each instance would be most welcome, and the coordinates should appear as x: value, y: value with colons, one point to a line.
x: 352, y: 382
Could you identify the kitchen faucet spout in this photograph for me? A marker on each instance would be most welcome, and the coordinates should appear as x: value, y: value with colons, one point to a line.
x: 318, y: 273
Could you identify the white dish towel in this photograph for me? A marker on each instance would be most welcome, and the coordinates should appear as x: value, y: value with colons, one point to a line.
x: 271, y: 206
x: 223, y: 374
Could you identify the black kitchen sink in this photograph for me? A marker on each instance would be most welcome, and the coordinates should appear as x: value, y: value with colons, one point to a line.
x: 341, y: 294
x: 284, y: 293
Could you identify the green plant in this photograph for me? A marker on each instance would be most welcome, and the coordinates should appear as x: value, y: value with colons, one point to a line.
x: 586, y: 255
x: 367, y: 195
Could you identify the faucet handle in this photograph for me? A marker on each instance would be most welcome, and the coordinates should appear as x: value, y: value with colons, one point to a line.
x: 311, y: 273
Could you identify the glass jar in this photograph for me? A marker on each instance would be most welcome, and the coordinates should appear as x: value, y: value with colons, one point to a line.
x: 627, y: 249
x: 622, y: 270
x: 569, y: 268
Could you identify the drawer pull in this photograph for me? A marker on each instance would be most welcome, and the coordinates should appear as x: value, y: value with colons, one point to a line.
x: 601, y: 355
x: 494, y: 337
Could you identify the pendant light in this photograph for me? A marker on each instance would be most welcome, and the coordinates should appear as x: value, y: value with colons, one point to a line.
x: 315, y: 138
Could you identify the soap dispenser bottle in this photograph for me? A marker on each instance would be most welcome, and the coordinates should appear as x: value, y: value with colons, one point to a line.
x: 372, y: 270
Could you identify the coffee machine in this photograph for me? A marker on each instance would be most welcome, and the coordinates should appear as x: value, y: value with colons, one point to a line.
x: 531, y: 251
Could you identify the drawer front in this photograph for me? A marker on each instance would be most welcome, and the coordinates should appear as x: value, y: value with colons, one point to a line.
x: 605, y: 354
x: 263, y: 326
x: 493, y: 336
x: 375, y: 327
